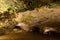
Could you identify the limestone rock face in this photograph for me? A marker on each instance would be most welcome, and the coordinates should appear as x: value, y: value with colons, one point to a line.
x: 40, y: 18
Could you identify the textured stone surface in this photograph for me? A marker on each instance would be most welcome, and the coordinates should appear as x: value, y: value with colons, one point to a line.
x: 49, y: 17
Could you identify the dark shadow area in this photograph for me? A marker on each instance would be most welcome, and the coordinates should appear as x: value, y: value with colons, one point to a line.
x: 53, y: 33
x: 32, y: 4
x: 17, y: 27
x: 2, y: 31
x: 50, y: 33
x: 35, y: 30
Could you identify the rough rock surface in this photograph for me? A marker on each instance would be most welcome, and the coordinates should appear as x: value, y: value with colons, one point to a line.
x: 41, y: 18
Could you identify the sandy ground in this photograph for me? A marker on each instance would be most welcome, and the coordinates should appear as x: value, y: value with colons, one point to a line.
x: 29, y: 36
